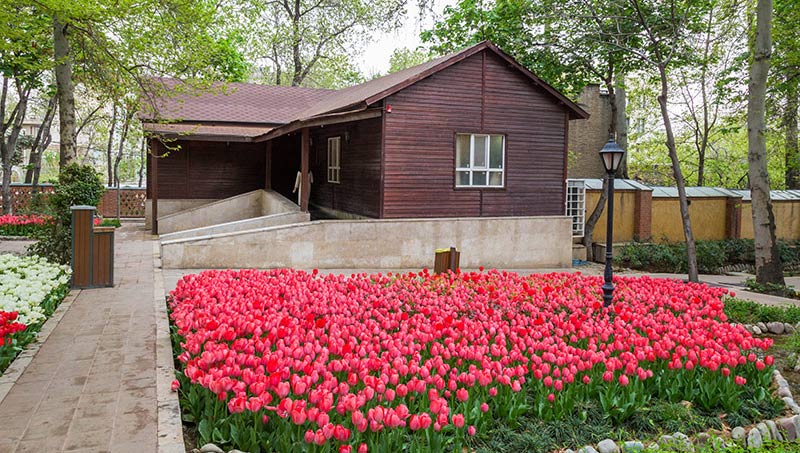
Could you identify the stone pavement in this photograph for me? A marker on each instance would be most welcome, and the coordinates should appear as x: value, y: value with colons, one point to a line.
x: 91, y: 387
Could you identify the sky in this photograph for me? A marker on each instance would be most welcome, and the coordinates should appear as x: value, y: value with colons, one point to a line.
x: 375, y: 58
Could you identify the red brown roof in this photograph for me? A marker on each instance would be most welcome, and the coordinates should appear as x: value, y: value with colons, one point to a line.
x: 286, y: 107
x: 229, y: 102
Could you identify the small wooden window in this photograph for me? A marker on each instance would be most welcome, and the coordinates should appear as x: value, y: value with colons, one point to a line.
x: 480, y: 160
x: 334, y: 159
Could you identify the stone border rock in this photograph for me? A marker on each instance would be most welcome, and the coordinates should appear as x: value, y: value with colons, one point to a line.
x: 21, y: 362
x: 170, y: 426
x: 782, y: 429
x: 774, y: 328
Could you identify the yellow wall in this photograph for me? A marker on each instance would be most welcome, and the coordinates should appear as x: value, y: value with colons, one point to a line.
x: 787, y: 219
x: 624, y: 214
x: 708, y: 219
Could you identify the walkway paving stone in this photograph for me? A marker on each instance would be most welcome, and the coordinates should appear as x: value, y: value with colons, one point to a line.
x: 92, y: 385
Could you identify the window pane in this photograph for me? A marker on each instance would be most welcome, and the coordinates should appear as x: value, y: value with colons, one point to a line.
x: 463, y: 178
x: 496, y: 152
x: 479, y: 178
x: 462, y: 151
x: 479, y: 153
x: 495, y: 178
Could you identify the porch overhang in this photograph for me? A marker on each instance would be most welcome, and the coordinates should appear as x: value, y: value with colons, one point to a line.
x: 206, y: 132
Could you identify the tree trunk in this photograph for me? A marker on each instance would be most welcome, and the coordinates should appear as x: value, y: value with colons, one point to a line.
x: 621, y: 101
x: 613, y: 127
x: 40, y: 143
x: 123, y: 136
x: 110, y: 146
x: 591, y: 222
x: 142, y: 160
x: 691, y: 251
x: 790, y: 125
x: 768, y: 262
x: 8, y: 139
x: 65, y: 93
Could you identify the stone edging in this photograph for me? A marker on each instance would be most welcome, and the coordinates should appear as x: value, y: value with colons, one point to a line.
x: 782, y: 429
x: 21, y: 362
x: 775, y: 328
x: 170, y: 426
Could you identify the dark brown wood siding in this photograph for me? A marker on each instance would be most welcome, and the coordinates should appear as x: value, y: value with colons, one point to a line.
x: 214, y: 170
x: 285, y: 164
x: 481, y: 94
x: 359, y: 189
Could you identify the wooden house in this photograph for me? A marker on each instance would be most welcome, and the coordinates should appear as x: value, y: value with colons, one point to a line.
x: 469, y: 134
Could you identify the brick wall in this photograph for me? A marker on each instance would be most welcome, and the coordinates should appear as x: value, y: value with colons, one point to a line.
x: 587, y: 137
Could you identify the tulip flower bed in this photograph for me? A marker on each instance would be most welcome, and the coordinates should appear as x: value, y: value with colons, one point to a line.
x: 22, y: 225
x: 287, y: 360
x: 30, y: 290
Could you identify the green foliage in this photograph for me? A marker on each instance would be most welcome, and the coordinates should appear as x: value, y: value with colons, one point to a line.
x: 404, y: 57
x: 747, y: 312
x: 770, y: 288
x: 516, y: 26
x: 111, y: 222
x: 711, y: 255
x: 77, y: 185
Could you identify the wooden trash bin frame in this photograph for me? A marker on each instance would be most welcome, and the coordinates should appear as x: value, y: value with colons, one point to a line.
x: 92, y: 259
x: 446, y: 259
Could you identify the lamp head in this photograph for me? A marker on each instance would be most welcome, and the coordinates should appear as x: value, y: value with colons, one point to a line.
x: 611, y: 155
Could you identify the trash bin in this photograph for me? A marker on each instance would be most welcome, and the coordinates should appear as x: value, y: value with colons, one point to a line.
x: 446, y: 259
x: 92, y: 250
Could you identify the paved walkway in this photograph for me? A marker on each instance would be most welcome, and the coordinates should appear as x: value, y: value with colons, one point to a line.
x: 91, y: 387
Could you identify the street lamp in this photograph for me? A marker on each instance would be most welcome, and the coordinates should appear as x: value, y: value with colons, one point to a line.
x: 611, y: 155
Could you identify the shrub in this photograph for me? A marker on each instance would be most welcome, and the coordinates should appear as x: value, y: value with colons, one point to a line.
x: 77, y: 185
x: 711, y: 255
x: 747, y: 312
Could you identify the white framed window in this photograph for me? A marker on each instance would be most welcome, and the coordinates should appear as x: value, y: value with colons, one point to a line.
x: 480, y: 160
x: 334, y: 159
x: 576, y: 205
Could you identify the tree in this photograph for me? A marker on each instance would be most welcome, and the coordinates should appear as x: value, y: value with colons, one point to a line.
x: 661, y: 28
x: 709, y: 87
x: 64, y: 91
x: 296, y: 37
x: 112, y: 48
x: 522, y: 28
x: 403, y: 58
x: 785, y: 84
x: 23, y: 58
x: 767, y: 258
x: 40, y: 143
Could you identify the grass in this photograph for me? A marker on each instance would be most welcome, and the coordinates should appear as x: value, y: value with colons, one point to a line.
x: 588, y: 425
x: 111, y: 222
x: 747, y: 312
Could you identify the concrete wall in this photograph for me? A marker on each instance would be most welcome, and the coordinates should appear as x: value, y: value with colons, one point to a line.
x: 501, y: 242
x: 167, y: 207
x: 708, y: 217
x: 624, y: 218
x: 285, y: 218
x: 240, y: 207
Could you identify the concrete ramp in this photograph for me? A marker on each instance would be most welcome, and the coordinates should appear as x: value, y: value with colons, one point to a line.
x: 500, y: 242
x: 247, y: 206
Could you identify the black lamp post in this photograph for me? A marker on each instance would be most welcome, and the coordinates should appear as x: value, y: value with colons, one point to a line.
x: 612, y: 156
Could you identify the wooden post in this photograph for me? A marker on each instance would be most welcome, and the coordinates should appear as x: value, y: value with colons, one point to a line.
x: 154, y: 184
x: 82, y: 217
x: 305, y: 185
x: 268, y: 167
